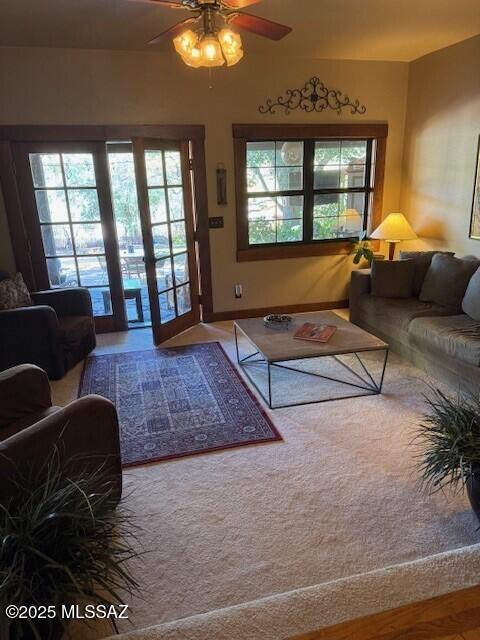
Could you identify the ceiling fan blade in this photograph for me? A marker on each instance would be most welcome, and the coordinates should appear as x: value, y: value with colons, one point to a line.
x: 260, y: 26
x: 240, y: 4
x: 172, y: 31
x: 173, y: 4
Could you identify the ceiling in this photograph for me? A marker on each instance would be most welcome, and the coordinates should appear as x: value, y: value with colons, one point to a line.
x: 344, y: 29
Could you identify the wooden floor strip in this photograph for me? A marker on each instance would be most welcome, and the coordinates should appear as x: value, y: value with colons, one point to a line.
x: 455, y: 616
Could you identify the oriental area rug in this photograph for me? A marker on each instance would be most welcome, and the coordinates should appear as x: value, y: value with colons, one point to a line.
x: 176, y: 402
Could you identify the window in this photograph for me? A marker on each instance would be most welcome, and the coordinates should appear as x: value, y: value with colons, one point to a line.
x: 316, y: 190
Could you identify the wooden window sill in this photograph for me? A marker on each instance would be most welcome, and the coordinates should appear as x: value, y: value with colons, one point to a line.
x: 294, y: 251
x: 279, y: 252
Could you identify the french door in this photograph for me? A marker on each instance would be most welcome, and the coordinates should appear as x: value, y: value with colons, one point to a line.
x: 165, y: 200
x: 83, y: 201
x: 64, y: 189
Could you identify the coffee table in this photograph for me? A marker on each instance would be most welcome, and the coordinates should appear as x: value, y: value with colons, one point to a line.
x: 278, y: 349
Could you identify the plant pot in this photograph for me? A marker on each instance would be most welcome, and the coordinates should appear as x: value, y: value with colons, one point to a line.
x: 473, y: 491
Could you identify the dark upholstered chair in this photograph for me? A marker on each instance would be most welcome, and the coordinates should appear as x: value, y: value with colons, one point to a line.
x: 55, y: 333
x: 85, y: 431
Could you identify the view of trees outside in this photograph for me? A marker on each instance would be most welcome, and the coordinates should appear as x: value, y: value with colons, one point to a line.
x: 71, y: 227
x: 273, y: 167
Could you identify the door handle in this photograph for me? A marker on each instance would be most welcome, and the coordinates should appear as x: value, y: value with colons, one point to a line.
x: 149, y: 260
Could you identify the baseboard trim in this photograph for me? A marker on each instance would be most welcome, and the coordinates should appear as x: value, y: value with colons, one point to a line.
x: 237, y: 314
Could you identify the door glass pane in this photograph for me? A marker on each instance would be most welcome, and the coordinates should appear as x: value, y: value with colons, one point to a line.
x: 88, y: 238
x: 51, y: 205
x: 79, y: 170
x: 57, y: 240
x: 161, y: 245
x: 158, y: 205
x: 83, y: 204
x: 101, y: 301
x: 179, y: 239
x: 164, y: 274
x: 167, y: 306
x: 183, y: 299
x: 93, y: 271
x: 173, y: 166
x: 129, y: 234
x: 180, y: 264
x: 154, y: 166
x: 175, y: 203
x: 46, y: 170
x: 62, y: 272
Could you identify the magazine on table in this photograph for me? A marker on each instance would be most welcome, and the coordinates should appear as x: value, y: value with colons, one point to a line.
x: 315, y: 332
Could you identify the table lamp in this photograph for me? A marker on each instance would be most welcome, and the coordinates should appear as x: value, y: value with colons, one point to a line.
x: 394, y: 229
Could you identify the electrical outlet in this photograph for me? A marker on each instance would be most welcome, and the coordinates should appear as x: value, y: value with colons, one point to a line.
x: 238, y: 291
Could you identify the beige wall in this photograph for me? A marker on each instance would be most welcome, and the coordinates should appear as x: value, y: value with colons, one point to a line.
x: 48, y: 86
x: 441, y: 137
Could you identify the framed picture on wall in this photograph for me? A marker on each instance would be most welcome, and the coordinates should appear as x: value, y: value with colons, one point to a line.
x: 475, y: 220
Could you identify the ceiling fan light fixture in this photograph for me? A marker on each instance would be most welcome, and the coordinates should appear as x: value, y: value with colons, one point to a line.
x: 185, y: 42
x: 211, y: 51
x: 231, y: 44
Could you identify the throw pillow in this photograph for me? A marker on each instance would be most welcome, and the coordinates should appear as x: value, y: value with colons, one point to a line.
x: 447, y: 280
x: 14, y: 293
x: 422, y: 260
x: 392, y: 278
x: 471, y: 299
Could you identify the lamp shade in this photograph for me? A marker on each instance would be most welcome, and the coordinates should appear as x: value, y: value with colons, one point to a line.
x: 394, y: 228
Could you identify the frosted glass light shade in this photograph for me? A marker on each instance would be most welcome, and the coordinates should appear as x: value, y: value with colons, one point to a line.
x: 394, y: 228
x: 209, y: 50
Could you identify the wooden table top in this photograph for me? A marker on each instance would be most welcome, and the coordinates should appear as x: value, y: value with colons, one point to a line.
x: 280, y: 345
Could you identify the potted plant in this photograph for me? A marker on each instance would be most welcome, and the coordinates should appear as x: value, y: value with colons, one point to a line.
x: 363, y: 249
x: 449, y: 442
x: 62, y: 542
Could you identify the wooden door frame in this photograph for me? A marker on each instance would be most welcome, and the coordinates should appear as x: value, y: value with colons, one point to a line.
x: 164, y: 331
x: 195, y: 134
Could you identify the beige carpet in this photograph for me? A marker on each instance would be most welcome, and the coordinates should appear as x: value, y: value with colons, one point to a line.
x: 336, y: 499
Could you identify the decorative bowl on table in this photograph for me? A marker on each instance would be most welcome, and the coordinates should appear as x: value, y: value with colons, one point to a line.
x: 277, y: 321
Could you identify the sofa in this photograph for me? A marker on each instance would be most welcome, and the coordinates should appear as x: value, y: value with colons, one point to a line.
x: 436, y: 335
x: 85, y: 432
x: 55, y: 333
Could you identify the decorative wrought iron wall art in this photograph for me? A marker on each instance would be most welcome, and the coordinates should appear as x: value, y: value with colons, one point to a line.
x: 313, y: 96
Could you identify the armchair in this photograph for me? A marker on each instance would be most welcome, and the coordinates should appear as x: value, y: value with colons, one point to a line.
x: 85, y: 431
x: 55, y: 333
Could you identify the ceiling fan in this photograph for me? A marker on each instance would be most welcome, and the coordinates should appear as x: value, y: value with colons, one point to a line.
x: 208, y: 45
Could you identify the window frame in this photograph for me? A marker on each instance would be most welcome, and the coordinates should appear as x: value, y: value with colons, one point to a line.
x: 376, y: 134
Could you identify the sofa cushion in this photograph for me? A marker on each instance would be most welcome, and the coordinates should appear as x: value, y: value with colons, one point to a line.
x: 456, y: 336
x: 471, y: 299
x: 392, y: 316
x: 422, y: 260
x: 447, y: 280
x: 73, y: 329
x: 14, y: 293
x: 392, y: 278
